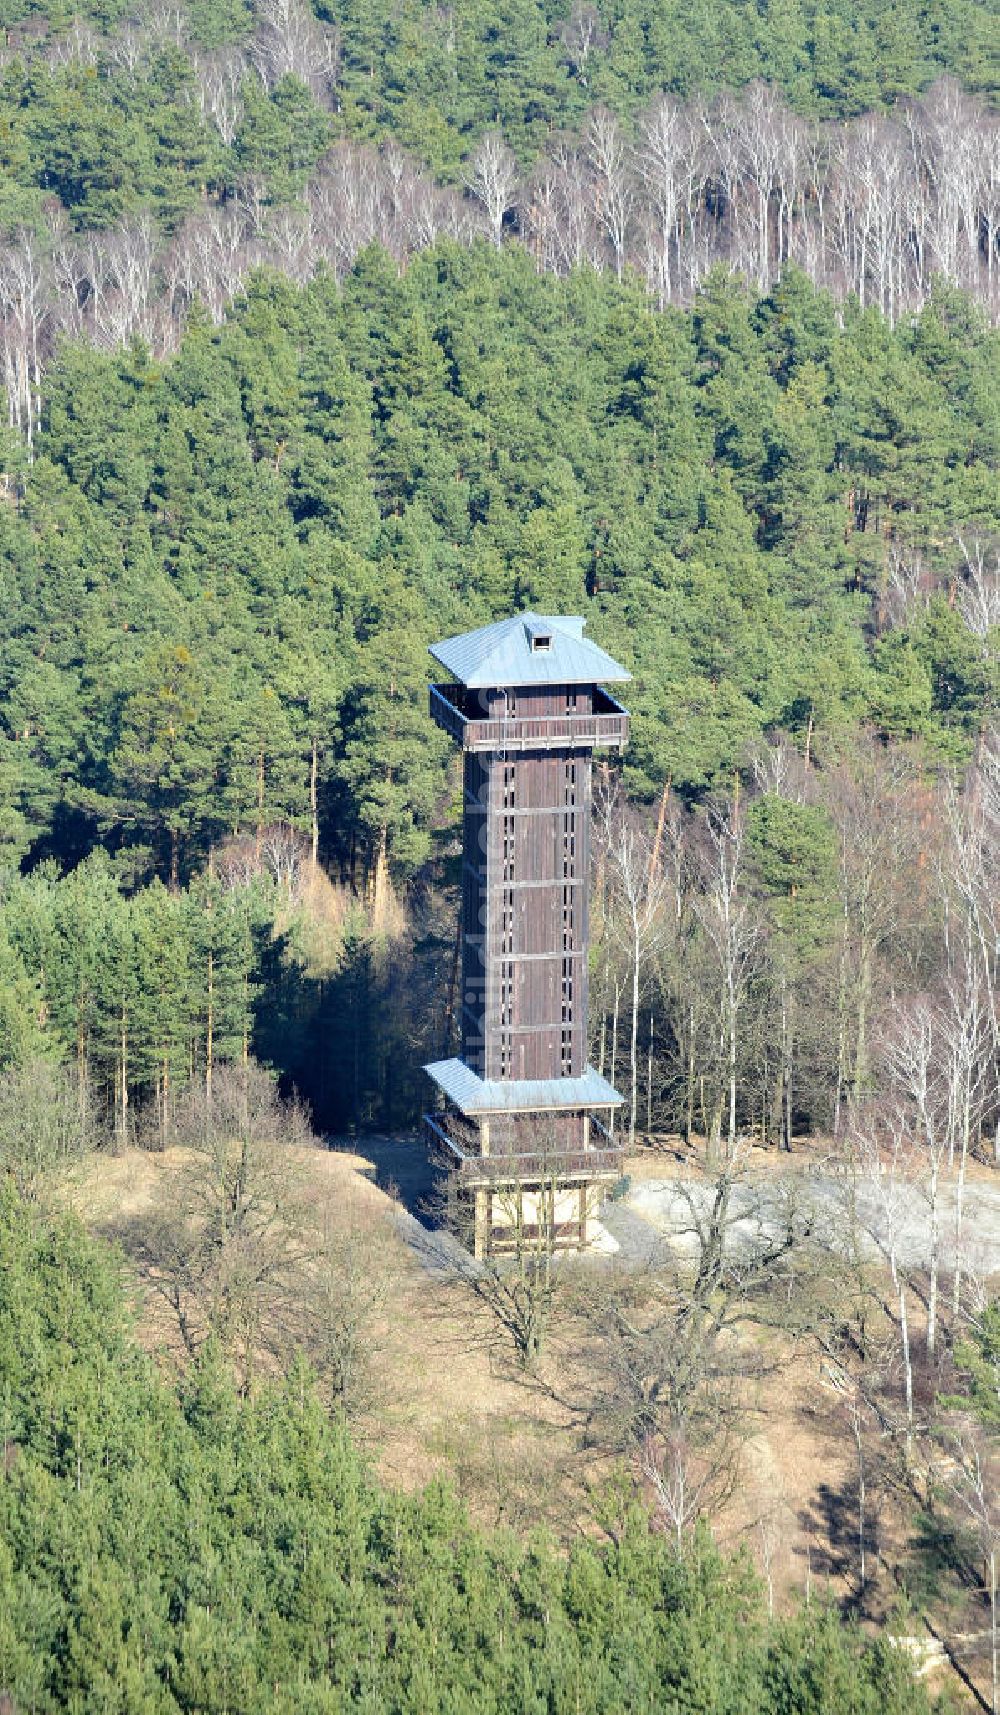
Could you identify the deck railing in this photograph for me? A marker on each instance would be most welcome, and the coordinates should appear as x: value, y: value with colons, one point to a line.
x: 604, y: 728
x: 510, y: 1169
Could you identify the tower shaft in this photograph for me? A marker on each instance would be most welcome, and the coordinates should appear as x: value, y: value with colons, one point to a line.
x: 525, y: 899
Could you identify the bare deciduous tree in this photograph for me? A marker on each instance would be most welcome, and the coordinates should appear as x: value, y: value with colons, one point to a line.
x: 491, y: 175
x: 25, y: 312
x: 611, y: 163
x: 517, y: 1215
x: 219, y: 79
x: 886, y: 1169
x: 291, y: 41
x: 915, y: 1070
x: 280, y: 852
x: 349, y: 1284
x: 229, y: 1247
x: 730, y: 921
x: 582, y: 34
x: 678, y: 1396
x: 520, y: 1285
x: 47, y: 1126
x: 634, y: 912
x: 979, y: 588
x: 970, y: 1476
x: 668, y: 161
x: 872, y: 804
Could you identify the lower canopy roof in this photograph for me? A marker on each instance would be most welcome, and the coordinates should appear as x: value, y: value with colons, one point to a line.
x: 475, y: 1095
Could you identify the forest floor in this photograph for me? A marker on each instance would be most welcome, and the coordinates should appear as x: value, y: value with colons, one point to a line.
x: 447, y: 1399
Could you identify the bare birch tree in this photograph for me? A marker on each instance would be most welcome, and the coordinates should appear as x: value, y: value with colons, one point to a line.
x: 915, y: 1058
x: 291, y: 41
x: 219, y: 79
x: 582, y: 34
x: 979, y: 586
x: 24, y: 316
x: 883, y: 1161
x: 634, y: 913
x: 973, y: 853
x: 611, y: 163
x: 666, y: 160
x: 491, y: 175
x: 730, y: 921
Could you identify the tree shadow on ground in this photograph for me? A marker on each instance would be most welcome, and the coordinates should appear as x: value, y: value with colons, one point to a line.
x: 829, y: 1523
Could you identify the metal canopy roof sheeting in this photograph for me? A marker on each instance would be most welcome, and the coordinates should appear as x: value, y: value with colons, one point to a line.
x: 528, y: 649
x: 475, y: 1095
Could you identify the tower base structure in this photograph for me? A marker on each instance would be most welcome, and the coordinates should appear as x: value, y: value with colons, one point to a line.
x: 526, y: 1160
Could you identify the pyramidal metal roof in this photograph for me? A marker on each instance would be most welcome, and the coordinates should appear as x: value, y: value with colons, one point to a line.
x: 475, y: 1095
x: 528, y: 649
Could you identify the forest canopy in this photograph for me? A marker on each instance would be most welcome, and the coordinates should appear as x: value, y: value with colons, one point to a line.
x: 221, y: 571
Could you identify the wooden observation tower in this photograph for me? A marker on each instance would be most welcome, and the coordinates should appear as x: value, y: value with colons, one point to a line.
x: 525, y: 1124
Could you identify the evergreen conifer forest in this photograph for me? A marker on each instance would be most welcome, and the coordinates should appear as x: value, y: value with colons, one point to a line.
x: 330, y: 330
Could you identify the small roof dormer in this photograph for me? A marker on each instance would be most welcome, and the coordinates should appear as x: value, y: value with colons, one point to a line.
x: 539, y: 636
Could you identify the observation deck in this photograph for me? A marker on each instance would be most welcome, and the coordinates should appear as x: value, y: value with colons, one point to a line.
x: 599, y: 1162
x: 458, y: 712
